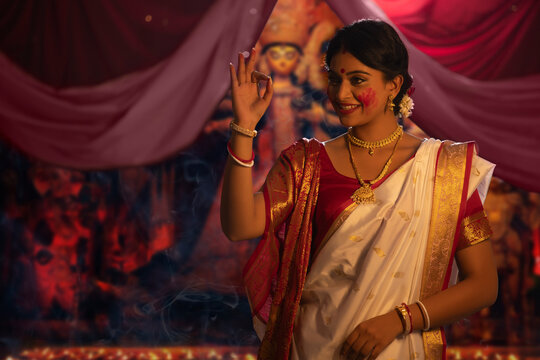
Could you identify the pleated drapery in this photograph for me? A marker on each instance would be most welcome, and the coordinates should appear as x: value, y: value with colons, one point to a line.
x: 65, y: 97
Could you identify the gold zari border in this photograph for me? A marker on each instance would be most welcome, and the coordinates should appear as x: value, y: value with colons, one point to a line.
x: 475, y: 231
x: 474, y: 217
x: 447, y: 195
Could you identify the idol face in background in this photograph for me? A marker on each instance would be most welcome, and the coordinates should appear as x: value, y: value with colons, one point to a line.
x: 282, y: 58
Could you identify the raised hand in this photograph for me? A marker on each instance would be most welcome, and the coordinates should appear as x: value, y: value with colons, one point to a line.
x: 249, y: 104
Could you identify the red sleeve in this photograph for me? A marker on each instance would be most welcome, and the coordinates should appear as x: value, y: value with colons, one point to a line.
x: 474, y: 227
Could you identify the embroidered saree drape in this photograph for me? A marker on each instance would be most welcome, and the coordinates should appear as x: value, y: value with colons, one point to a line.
x: 409, y: 202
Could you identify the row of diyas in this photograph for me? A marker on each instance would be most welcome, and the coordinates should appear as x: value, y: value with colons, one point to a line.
x: 231, y: 353
x: 137, y: 353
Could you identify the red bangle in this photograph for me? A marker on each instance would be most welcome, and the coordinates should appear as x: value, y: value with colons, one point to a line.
x: 410, y: 316
x: 234, y: 155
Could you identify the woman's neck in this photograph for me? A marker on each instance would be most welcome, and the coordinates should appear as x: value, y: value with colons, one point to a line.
x: 375, y: 130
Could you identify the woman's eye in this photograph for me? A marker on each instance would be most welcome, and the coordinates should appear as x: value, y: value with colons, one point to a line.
x: 357, y: 80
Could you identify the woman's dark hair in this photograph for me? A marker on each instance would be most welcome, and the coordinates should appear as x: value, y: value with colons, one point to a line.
x: 377, y: 45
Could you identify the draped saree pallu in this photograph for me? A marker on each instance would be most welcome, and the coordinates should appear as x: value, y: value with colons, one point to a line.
x: 274, y: 275
x: 305, y: 301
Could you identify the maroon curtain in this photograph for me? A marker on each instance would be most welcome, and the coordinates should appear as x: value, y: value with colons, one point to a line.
x: 138, y: 118
x: 479, y: 39
x: 158, y: 103
x: 67, y: 43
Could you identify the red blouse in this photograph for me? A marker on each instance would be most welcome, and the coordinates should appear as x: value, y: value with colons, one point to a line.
x: 335, y: 192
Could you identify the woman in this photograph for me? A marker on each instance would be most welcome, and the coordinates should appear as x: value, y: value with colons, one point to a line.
x: 346, y: 267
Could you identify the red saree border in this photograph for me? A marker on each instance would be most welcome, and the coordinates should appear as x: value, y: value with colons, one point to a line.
x: 280, y: 182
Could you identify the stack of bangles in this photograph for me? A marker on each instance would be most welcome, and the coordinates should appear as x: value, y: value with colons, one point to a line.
x: 405, y: 316
x: 250, y: 133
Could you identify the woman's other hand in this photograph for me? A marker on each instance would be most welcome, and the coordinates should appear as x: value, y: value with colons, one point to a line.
x: 249, y: 104
x: 372, y: 336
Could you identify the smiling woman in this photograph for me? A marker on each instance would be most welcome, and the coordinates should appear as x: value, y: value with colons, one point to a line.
x: 349, y: 267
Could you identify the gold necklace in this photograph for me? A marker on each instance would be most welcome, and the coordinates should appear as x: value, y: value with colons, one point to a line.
x: 371, y: 145
x: 364, y: 194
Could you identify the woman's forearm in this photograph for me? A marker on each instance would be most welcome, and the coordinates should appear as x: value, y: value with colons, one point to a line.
x: 242, y: 211
x: 476, y: 291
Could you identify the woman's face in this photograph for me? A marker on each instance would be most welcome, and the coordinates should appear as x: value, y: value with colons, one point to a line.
x: 358, y: 93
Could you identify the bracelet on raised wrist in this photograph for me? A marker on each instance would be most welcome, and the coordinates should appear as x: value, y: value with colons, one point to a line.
x: 239, y: 161
x: 242, y: 130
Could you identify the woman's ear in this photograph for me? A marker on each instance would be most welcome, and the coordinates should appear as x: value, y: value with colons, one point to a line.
x: 394, y: 85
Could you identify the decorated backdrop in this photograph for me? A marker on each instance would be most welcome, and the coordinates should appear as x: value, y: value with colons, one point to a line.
x: 114, y: 121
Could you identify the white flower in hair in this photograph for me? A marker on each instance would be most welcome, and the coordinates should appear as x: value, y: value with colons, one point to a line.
x: 405, y: 106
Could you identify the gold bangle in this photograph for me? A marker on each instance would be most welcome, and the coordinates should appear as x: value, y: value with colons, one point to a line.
x: 243, y: 131
x: 405, y: 316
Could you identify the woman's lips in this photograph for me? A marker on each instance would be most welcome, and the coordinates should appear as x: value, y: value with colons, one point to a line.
x: 345, y: 109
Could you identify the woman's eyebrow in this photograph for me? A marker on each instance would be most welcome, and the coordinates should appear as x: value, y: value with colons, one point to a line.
x: 358, y: 72
x: 350, y: 72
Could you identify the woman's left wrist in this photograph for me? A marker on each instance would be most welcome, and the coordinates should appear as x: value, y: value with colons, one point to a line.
x: 397, y: 324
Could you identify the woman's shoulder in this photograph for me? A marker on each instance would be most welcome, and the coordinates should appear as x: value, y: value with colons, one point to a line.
x: 302, y: 148
x: 303, y: 144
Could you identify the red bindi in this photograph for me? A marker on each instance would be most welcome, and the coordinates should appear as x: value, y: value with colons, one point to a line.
x: 342, y: 71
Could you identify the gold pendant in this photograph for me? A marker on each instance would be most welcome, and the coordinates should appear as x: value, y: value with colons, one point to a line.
x: 364, y: 195
x: 371, y: 151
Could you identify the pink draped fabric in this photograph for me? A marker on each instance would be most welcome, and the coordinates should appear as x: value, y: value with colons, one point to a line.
x: 149, y: 114
x: 502, y: 116
x: 141, y: 117
x: 479, y: 39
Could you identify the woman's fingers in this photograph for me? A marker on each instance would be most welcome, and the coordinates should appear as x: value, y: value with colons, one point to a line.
x: 367, y: 350
x: 251, y: 64
x: 347, y: 349
x: 234, y: 79
x: 257, y: 76
x: 269, y: 91
x: 376, y: 352
x: 241, y: 69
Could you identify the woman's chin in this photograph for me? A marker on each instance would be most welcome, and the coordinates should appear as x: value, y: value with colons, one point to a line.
x: 350, y: 121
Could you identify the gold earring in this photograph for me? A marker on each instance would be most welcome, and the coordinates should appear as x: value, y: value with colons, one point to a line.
x: 391, y: 106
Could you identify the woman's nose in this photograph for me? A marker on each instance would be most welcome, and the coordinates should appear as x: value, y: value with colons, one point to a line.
x: 343, y: 92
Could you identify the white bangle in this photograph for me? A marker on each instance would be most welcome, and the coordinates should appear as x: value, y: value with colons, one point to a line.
x: 426, y: 315
x: 240, y: 162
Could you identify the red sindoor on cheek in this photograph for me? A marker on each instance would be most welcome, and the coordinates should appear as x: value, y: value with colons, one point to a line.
x: 366, y: 97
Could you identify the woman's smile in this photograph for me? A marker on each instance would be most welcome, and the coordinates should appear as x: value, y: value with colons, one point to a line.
x: 345, y: 109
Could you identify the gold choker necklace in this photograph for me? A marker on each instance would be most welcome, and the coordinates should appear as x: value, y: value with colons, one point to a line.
x: 364, y: 194
x: 371, y: 145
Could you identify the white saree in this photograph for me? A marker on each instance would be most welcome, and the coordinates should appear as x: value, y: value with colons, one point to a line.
x: 374, y: 261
